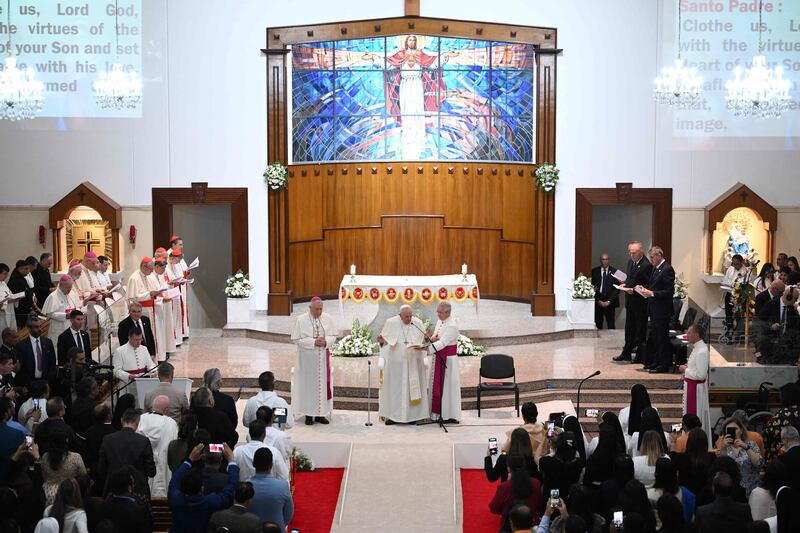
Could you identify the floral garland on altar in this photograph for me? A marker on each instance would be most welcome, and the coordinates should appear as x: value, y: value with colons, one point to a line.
x: 359, y: 343
x: 408, y: 295
x: 582, y: 288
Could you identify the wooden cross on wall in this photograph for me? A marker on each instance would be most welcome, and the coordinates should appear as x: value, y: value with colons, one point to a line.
x: 81, y: 194
x: 88, y: 242
x: 744, y: 196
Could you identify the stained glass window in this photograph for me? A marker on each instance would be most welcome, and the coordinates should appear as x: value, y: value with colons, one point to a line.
x: 412, y: 97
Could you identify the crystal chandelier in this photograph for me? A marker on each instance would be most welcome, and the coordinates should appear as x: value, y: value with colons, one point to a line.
x: 118, y: 88
x: 759, y: 91
x: 678, y: 85
x: 20, y: 92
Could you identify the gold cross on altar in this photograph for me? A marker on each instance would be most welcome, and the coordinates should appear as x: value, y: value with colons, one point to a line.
x: 88, y: 242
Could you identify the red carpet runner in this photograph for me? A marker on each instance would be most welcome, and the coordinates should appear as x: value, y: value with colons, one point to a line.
x: 315, y: 497
x: 476, y: 493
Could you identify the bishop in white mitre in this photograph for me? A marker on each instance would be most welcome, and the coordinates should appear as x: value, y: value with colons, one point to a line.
x: 403, y: 396
x: 445, y: 379
x: 312, y: 387
x: 145, y: 289
x: 132, y: 358
x: 174, y: 276
x: 168, y: 333
x: 182, y: 270
x: 160, y: 429
x: 59, y: 304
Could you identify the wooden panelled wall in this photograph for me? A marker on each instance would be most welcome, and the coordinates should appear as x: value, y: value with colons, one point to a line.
x: 422, y: 219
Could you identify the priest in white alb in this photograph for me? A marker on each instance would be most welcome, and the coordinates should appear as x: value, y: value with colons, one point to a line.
x: 7, y: 318
x: 145, y: 289
x: 160, y: 429
x: 695, y: 378
x: 58, y: 305
x: 445, y: 379
x: 168, y: 324
x: 176, y: 248
x: 132, y: 358
x: 403, y: 396
x: 88, y: 283
x: 180, y: 307
x: 312, y: 387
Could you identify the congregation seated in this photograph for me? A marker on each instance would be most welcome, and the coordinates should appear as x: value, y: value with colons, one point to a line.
x: 650, y: 421
x: 644, y: 465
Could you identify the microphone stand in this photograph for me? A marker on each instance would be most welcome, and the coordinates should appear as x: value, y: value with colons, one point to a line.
x: 578, y: 409
x: 436, y: 359
x: 369, y: 393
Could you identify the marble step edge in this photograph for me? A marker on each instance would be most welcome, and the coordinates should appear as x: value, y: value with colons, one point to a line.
x: 241, y: 330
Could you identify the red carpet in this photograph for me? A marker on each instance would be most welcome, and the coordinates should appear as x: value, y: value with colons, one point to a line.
x: 476, y: 493
x: 315, y: 497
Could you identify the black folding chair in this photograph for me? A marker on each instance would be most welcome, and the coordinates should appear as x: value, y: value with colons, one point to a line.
x: 498, y: 366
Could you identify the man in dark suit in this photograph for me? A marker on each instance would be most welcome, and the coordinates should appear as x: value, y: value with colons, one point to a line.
x: 37, y: 355
x: 237, y: 517
x: 638, y: 271
x: 659, y: 292
x: 780, y: 327
x: 9, y: 337
x: 606, y: 297
x: 790, y: 459
x: 42, y: 282
x: 135, y: 318
x: 126, y: 447
x: 17, y: 284
x: 775, y: 291
x: 208, y: 418
x: 723, y: 514
x: 74, y: 337
x: 120, y: 508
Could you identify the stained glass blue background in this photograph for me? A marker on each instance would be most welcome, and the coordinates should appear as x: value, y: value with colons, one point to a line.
x: 483, y: 111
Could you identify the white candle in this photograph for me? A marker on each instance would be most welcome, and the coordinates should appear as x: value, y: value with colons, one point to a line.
x: 464, y: 269
x: 352, y: 270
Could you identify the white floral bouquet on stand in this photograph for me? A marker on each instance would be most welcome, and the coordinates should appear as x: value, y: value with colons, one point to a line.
x: 681, y: 288
x: 276, y: 176
x: 359, y: 343
x: 546, y: 177
x: 238, y: 286
x: 582, y: 288
x: 465, y: 347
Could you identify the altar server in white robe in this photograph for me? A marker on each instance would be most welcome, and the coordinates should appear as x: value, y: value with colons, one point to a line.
x: 7, y: 318
x: 175, y: 278
x: 403, y: 396
x: 312, y: 387
x: 161, y: 430
x: 58, y: 305
x: 445, y: 391
x: 168, y: 324
x: 132, y: 358
x: 176, y: 248
x: 695, y: 379
x: 144, y: 288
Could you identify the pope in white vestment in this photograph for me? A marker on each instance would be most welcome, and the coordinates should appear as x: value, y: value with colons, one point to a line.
x: 58, y: 305
x: 131, y: 359
x: 445, y: 392
x: 312, y: 386
x: 403, y: 396
x: 161, y: 430
x: 143, y: 287
x: 695, y: 379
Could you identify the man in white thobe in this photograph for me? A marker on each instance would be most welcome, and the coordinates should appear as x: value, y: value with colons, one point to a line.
x: 445, y: 379
x: 58, y: 305
x: 131, y: 359
x: 168, y: 324
x: 161, y: 430
x: 695, y: 379
x: 403, y: 396
x: 144, y: 288
x: 176, y: 248
x: 312, y: 386
x: 174, y: 273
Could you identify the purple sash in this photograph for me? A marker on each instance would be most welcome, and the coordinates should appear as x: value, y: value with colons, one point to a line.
x: 438, y: 375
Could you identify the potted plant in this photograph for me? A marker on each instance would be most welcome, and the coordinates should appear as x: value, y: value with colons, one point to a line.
x: 359, y: 343
x: 238, y: 290
x: 546, y: 177
x: 581, y: 310
x: 466, y: 347
x: 275, y: 176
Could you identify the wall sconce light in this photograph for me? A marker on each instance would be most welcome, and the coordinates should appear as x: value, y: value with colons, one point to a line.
x: 132, y: 235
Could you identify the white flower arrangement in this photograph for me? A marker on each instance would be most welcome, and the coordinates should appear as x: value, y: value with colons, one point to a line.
x: 359, y: 343
x: 681, y: 288
x: 582, y: 288
x: 466, y: 347
x: 546, y: 177
x: 275, y: 176
x: 238, y: 286
x: 427, y: 324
